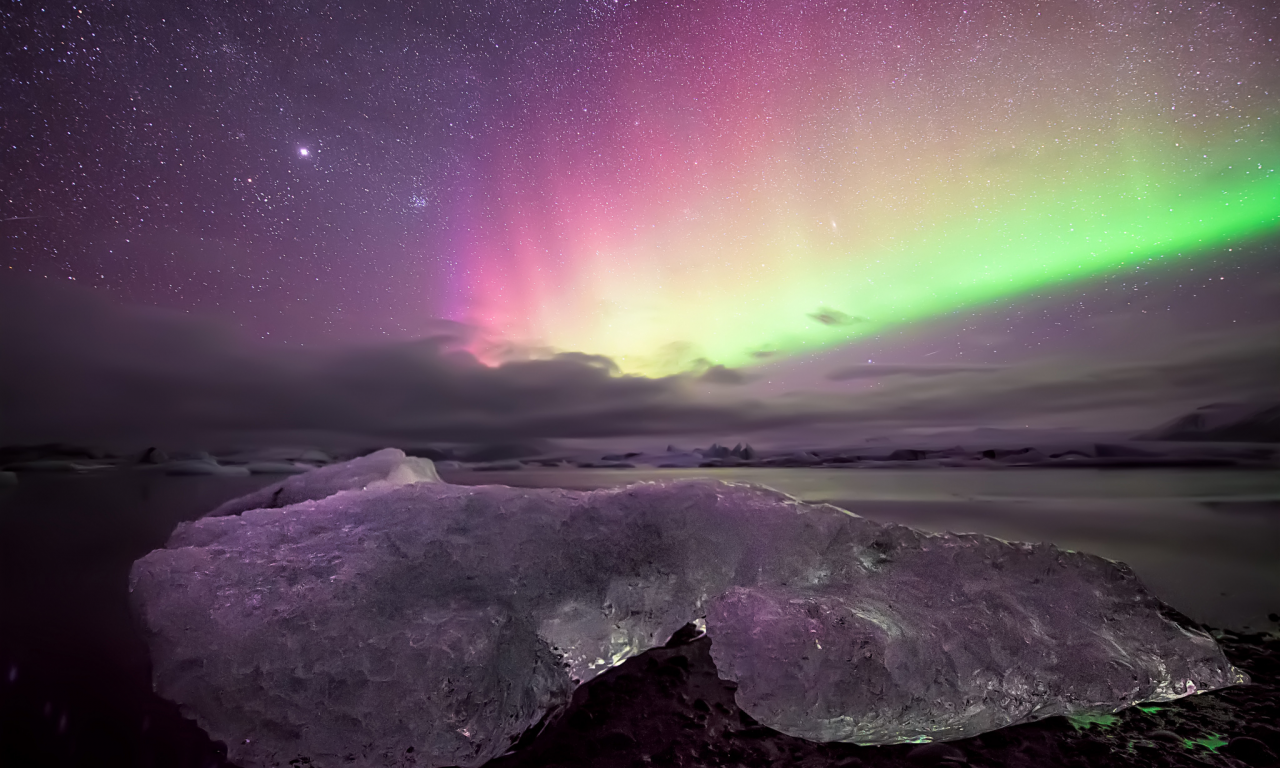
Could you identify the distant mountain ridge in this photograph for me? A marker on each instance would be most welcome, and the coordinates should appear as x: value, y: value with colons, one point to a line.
x: 1223, y: 422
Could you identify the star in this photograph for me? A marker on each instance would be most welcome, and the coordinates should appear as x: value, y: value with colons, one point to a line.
x: 304, y: 152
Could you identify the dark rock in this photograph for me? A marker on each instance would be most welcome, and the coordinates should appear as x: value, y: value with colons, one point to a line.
x: 937, y: 753
x: 152, y: 455
x: 685, y: 635
x: 1269, y: 734
x: 1251, y: 751
x: 1112, y: 451
x: 617, y: 741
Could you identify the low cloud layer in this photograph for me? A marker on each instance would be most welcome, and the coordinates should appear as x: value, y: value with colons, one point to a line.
x: 877, y: 371
x: 79, y: 368
x: 1216, y: 367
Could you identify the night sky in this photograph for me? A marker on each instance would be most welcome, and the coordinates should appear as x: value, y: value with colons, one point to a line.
x: 760, y: 197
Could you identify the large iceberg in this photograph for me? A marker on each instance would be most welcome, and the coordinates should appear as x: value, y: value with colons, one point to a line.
x: 367, y: 613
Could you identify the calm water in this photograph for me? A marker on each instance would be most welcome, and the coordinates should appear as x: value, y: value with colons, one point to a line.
x: 75, y: 677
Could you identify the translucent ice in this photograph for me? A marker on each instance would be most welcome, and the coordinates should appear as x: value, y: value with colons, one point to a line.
x: 387, y: 468
x: 378, y: 614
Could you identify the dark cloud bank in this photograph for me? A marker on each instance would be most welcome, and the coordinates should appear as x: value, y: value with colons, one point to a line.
x: 880, y: 371
x: 77, y: 367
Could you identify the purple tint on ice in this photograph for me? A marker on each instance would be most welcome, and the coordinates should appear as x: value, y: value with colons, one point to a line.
x: 356, y: 611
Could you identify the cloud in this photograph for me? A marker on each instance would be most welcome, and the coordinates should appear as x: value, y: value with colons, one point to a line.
x: 1193, y: 370
x: 718, y: 374
x: 877, y: 370
x: 79, y: 368
x: 835, y: 317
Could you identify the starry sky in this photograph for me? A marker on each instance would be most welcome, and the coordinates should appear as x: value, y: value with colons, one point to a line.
x: 771, y: 195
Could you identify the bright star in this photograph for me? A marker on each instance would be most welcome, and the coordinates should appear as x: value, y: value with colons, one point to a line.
x: 304, y: 152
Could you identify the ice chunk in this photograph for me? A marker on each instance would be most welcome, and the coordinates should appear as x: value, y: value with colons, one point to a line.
x: 387, y: 468
x: 934, y: 654
x: 355, y: 624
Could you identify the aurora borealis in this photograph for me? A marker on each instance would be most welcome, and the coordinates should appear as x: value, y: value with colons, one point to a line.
x: 671, y: 185
x: 946, y: 246
x: 731, y: 179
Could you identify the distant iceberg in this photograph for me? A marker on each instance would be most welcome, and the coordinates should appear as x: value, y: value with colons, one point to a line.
x: 366, y: 609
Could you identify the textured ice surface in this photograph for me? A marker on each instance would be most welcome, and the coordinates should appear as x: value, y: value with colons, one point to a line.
x: 383, y: 469
x: 351, y: 627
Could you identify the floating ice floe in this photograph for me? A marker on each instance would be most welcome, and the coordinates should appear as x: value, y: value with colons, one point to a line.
x: 360, y: 610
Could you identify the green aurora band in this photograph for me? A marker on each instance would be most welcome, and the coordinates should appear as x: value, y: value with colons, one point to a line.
x: 778, y: 179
